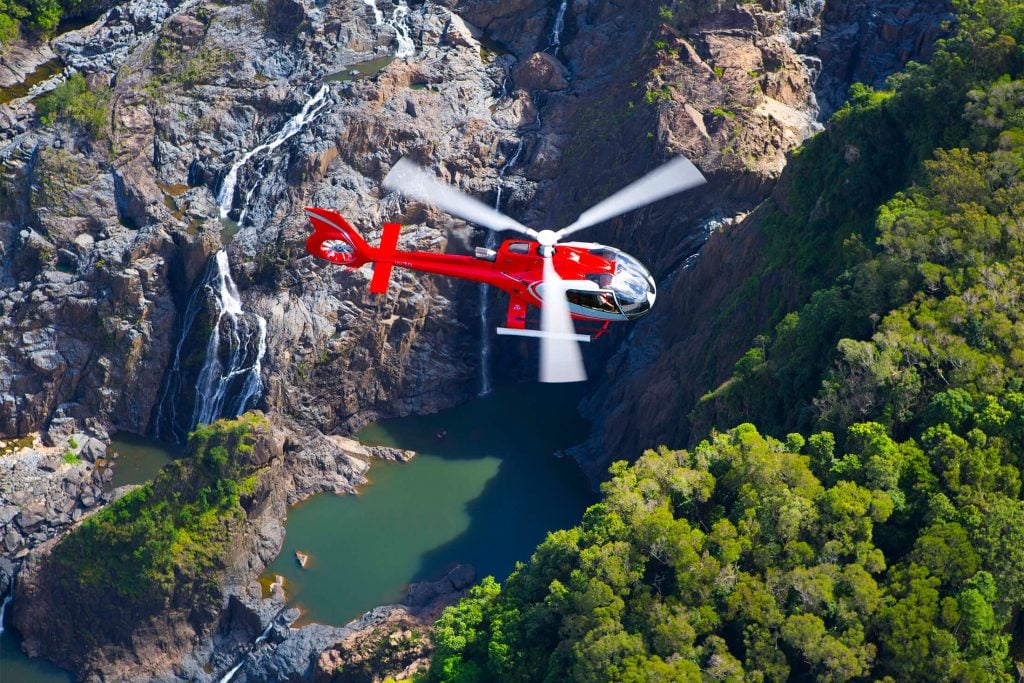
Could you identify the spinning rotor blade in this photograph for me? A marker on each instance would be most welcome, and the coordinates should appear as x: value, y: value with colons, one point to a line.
x: 412, y: 181
x: 560, y: 357
x: 675, y: 176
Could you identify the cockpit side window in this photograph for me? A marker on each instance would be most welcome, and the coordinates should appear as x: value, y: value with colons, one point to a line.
x: 519, y: 248
x: 600, y: 301
x: 605, y: 253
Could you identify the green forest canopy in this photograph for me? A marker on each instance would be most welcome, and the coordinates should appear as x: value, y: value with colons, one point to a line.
x: 889, y: 543
x: 40, y: 18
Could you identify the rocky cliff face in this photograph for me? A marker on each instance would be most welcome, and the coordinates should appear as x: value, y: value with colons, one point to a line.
x: 100, y: 256
x: 104, y: 239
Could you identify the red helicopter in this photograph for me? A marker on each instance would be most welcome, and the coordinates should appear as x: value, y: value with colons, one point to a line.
x: 567, y: 281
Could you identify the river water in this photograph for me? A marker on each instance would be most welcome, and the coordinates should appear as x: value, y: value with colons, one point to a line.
x: 16, y: 667
x: 486, y: 494
x: 139, y: 458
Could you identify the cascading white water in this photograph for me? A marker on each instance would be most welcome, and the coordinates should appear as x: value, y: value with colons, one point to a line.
x: 491, y: 242
x: 231, y: 674
x: 406, y: 46
x: 309, y: 112
x: 245, y: 349
x: 265, y: 634
x: 230, y: 381
x: 555, y: 40
x: 3, y: 609
x: 378, y: 16
x: 166, y: 419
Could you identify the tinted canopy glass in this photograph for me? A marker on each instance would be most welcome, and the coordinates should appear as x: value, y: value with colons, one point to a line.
x: 633, y: 286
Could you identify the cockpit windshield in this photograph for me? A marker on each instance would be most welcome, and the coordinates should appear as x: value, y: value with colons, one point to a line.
x: 633, y: 286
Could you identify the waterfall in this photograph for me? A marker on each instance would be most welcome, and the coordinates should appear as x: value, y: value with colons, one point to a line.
x: 406, y: 46
x: 231, y: 674
x: 229, y: 382
x: 555, y: 40
x: 378, y: 16
x: 491, y: 242
x: 167, y: 407
x: 313, y: 107
x: 263, y: 636
x: 226, y: 387
x: 3, y: 609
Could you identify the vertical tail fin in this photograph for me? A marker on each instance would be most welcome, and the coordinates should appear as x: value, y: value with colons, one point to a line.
x: 334, y: 240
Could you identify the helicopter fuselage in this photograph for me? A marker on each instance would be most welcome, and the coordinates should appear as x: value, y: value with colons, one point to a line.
x: 602, y: 283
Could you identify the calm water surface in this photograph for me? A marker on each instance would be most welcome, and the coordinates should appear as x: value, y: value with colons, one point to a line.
x: 16, y: 667
x: 485, y: 493
x: 139, y: 458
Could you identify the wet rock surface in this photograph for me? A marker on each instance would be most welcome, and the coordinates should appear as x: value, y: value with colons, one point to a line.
x: 846, y: 42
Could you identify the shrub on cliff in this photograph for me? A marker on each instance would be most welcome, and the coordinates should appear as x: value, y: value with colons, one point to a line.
x: 41, y: 18
x: 74, y: 102
x: 10, y: 16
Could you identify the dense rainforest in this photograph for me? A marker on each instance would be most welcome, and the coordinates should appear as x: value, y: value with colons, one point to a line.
x: 864, y: 520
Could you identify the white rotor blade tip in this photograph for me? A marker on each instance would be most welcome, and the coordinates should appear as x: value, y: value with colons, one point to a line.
x: 412, y: 181
x: 675, y: 176
x: 560, y: 357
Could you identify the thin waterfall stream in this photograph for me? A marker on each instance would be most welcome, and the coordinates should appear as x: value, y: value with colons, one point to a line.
x: 3, y: 609
x: 491, y: 239
x: 491, y: 242
x: 313, y: 107
x: 555, y: 40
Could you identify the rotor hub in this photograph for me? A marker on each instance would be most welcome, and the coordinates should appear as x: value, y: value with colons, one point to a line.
x: 547, y: 238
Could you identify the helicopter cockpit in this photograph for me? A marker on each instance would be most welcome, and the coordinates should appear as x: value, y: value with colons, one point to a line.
x: 629, y: 292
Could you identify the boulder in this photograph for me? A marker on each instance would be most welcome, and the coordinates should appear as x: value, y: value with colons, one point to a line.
x: 92, y: 449
x: 540, y: 71
x: 32, y: 516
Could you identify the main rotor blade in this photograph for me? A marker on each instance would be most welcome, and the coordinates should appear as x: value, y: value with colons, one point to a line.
x: 675, y: 176
x: 560, y: 357
x: 412, y: 181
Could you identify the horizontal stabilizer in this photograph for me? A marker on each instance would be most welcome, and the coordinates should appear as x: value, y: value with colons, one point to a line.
x: 382, y: 268
x: 540, y: 334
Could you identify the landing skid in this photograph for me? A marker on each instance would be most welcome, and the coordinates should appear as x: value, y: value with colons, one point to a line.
x: 515, y: 332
